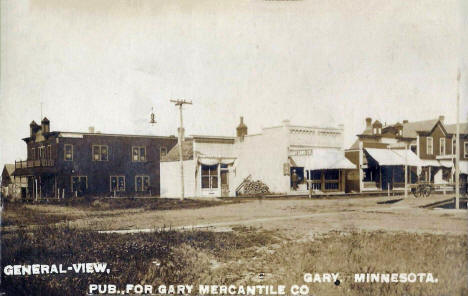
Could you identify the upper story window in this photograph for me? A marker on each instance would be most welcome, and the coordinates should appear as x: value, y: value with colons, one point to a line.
x: 430, y: 145
x: 163, y: 151
x: 41, y: 152
x: 454, y: 146
x: 100, y: 153
x: 68, y: 155
x: 465, y: 153
x: 33, y: 153
x: 49, y: 152
x: 442, y: 146
x: 138, y: 153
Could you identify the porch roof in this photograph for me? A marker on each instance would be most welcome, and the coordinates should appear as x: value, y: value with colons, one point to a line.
x: 437, y: 163
x: 388, y: 157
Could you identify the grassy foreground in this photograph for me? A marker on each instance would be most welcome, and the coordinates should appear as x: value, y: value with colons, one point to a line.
x: 201, y: 257
x: 56, y: 211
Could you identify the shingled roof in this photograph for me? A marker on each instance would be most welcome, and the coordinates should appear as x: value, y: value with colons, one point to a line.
x: 187, y: 152
x: 410, y: 129
x: 452, y: 128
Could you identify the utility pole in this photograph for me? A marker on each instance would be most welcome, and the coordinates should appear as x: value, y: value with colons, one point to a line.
x: 457, y: 149
x: 406, y: 170
x: 180, y: 103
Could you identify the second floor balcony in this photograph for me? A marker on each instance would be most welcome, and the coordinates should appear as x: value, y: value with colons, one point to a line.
x: 34, y: 163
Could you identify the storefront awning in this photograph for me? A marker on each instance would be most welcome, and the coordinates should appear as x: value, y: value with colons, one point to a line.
x: 394, y: 157
x: 463, y: 167
x: 322, y: 159
x: 208, y: 160
x: 446, y: 163
x: 409, y: 157
x: 437, y: 163
x: 431, y: 163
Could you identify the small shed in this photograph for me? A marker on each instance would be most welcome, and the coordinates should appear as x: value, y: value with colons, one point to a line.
x: 12, y: 187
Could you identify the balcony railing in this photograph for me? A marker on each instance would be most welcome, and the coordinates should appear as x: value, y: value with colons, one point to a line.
x: 34, y: 163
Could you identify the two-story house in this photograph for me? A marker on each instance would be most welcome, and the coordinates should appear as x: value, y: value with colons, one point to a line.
x: 74, y: 163
x: 437, y: 149
x: 381, y: 153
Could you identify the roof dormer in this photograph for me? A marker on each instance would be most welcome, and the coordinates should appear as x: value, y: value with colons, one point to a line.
x: 377, y: 128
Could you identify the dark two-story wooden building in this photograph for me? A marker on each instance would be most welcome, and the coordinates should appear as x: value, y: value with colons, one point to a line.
x: 437, y: 148
x: 73, y: 163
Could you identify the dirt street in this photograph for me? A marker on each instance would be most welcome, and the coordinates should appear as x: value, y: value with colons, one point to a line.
x: 299, y: 217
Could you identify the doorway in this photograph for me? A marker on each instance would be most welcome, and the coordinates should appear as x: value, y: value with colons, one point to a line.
x: 224, y: 174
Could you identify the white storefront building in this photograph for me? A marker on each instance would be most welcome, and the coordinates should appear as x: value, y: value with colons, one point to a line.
x: 216, y: 166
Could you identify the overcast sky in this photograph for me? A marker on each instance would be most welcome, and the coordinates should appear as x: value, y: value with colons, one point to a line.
x: 107, y: 63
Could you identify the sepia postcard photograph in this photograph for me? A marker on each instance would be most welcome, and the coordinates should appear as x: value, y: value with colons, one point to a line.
x: 234, y: 147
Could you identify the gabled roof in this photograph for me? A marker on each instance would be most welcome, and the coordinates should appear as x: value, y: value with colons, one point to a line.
x: 410, y: 129
x: 187, y: 151
x: 10, y: 168
x: 355, y: 145
x: 452, y: 128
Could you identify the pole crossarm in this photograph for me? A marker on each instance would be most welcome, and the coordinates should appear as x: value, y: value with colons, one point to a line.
x: 181, y: 102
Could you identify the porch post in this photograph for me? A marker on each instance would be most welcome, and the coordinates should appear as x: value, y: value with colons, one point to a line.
x: 380, y: 173
x: 219, y: 180
x: 55, y: 185
x: 322, y: 177
x: 35, y: 180
x: 360, y: 163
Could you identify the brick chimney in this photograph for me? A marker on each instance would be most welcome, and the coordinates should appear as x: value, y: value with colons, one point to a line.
x: 405, y: 121
x: 32, y: 128
x: 91, y: 129
x: 241, y: 129
x: 45, y: 125
x: 368, y: 122
x: 442, y: 119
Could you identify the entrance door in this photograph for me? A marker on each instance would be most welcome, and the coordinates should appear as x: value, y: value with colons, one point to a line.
x: 224, y: 183
x: 79, y: 185
x: 387, y: 178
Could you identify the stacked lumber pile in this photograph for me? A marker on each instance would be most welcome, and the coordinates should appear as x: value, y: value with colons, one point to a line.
x: 255, y: 187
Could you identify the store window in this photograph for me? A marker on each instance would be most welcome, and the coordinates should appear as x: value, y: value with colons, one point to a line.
x: 117, y: 183
x: 141, y: 183
x: 209, y: 175
x: 79, y: 184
